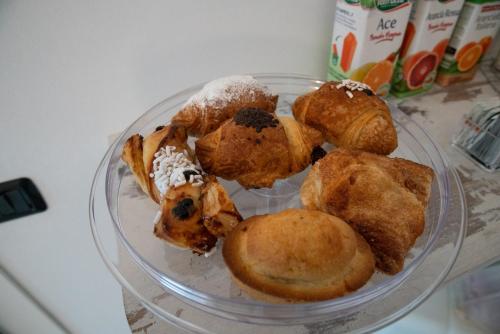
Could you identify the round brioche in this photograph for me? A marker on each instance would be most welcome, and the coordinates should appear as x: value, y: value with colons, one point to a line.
x: 297, y: 255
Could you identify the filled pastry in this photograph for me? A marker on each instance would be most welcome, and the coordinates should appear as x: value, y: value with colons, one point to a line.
x: 297, y: 255
x: 383, y: 199
x: 349, y: 115
x: 219, y: 100
x: 194, y: 208
x: 256, y: 148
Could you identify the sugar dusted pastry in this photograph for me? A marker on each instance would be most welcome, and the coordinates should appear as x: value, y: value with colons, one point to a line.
x: 194, y: 208
x: 383, y: 199
x: 219, y: 100
x: 349, y: 115
x: 297, y: 255
x: 256, y: 148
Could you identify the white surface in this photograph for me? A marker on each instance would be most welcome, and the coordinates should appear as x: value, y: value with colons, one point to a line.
x: 71, y: 73
x: 16, y: 308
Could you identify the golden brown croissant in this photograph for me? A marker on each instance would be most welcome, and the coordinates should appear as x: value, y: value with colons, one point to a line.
x: 297, y: 255
x: 195, y: 208
x: 219, y: 100
x: 349, y: 115
x: 383, y: 199
x: 256, y: 148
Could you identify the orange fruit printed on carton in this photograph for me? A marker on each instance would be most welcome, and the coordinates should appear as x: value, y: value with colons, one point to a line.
x: 479, y: 22
x: 367, y: 35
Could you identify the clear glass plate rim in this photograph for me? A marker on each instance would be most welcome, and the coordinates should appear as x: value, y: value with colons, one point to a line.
x: 181, y: 323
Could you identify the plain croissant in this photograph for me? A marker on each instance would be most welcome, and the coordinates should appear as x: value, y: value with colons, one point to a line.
x: 219, y: 100
x: 190, y: 216
x: 256, y: 148
x: 383, y: 199
x: 350, y: 118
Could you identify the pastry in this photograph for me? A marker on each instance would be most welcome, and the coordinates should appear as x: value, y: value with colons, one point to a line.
x: 219, y: 100
x: 383, y: 199
x: 297, y: 255
x: 194, y: 208
x: 255, y: 148
x: 138, y: 152
x: 349, y: 115
x: 219, y: 213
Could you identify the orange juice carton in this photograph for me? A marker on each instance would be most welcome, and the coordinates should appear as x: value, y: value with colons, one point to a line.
x: 427, y: 34
x: 367, y: 35
x: 477, y: 25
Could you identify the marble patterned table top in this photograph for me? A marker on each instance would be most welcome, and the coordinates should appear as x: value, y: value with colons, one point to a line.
x: 439, y: 112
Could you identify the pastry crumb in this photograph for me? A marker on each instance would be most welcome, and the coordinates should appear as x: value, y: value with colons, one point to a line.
x: 351, y: 86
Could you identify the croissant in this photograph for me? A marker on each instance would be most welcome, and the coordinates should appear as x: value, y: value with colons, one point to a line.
x: 383, y: 199
x: 256, y: 148
x: 195, y: 209
x: 219, y: 100
x: 349, y: 115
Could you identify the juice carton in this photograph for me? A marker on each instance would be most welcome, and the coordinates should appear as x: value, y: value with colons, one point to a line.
x: 477, y: 25
x: 367, y: 35
x: 426, y: 38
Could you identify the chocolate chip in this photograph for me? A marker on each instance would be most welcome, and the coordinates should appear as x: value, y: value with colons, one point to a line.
x: 189, y: 172
x: 158, y: 128
x: 317, y: 153
x: 256, y: 118
x: 184, y: 209
x: 368, y: 92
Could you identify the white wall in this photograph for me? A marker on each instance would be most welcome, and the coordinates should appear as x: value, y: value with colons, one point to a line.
x: 73, y: 72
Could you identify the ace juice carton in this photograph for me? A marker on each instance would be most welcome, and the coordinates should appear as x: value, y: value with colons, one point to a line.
x: 476, y: 27
x: 427, y: 35
x: 367, y: 35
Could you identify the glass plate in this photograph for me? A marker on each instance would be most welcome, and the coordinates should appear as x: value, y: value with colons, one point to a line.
x: 122, y: 223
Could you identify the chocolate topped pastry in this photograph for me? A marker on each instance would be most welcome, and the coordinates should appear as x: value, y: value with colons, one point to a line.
x: 256, y: 148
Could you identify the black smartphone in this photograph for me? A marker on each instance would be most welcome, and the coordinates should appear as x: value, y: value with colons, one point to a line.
x: 19, y: 198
